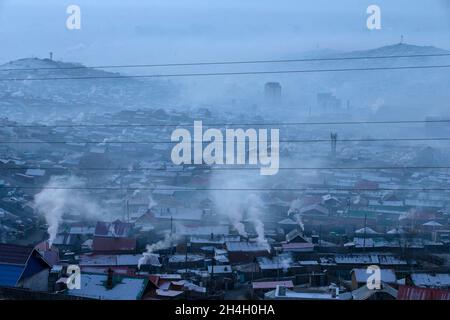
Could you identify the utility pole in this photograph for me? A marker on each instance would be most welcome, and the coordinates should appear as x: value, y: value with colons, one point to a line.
x: 333, y: 137
x: 171, y: 236
x: 186, y: 257
x: 365, y: 229
x: 278, y: 264
x: 253, y: 268
x: 320, y: 235
x: 213, y: 262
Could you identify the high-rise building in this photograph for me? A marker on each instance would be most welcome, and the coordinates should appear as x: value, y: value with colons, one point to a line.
x: 328, y: 102
x: 272, y: 92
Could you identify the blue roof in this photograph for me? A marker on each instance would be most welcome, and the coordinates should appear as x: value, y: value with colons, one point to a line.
x: 10, y: 274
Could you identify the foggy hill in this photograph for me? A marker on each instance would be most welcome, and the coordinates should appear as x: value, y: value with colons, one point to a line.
x: 384, y: 92
x: 77, y: 95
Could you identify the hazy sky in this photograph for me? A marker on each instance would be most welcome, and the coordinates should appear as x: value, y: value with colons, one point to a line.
x: 132, y: 31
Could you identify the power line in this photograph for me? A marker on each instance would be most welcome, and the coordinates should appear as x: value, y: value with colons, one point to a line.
x: 232, y: 141
x: 106, y: 125
x: 183, y: 189
x: 227, y: 73
x: 227, y: 168
x: 229, y: 62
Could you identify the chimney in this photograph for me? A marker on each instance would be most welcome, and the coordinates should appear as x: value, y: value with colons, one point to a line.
x: 315, y: 239
x: 281, y: 290
x: 109, y: 280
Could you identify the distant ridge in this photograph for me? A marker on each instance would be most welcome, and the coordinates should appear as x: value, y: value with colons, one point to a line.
x: 398, y: 49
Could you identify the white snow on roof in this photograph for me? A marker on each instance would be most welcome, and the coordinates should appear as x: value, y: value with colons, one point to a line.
x: 35, y: 172
x: 432, y: 224
x: 387, y: 275
x: 357, y: 259
x: 245, y: 246
x: 366, y: 230
x: 117, y: 260
x: 430, y: 280
x: 93, y: 286
x: 220, y: 269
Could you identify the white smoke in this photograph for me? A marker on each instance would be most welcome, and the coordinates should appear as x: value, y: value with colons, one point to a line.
x: 105, y: 140
x: 135, y: 193
x: 58, y: 198
x: 162, y: 244
x: 165, y: 243
x: 151, y: 202
x: 298, y: 217
x: 229, y: 203
x: 254, y: 211
x: 235, y: 204
x: 295, y: 206
x: 411, y: 214
x: 294, y: 210
x: 284, y: 262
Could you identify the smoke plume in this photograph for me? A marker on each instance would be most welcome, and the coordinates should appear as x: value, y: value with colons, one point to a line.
x: 294, y: 210
x: 53, y: 203
x: 254, y: 211
x: 165, y: 243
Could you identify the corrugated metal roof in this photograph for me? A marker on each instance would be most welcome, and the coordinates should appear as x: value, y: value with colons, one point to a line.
x: 245, y: 246
x: 14, y: 254
x: 105, y: 244
x: 117, y: 260
x: 387, y: 275
x: 112, y: 229
x: 10, y: 274
x: 297, y: 246
x: 272, y: 284
x: 416, y: 293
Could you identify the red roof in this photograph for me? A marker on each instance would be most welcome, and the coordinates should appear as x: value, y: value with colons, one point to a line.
x: 416, y: 293
x: 14, y: 254
x: 154, y: 279
x: 113, y: 229
x: 107, y: 244
x: 272, y: 284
